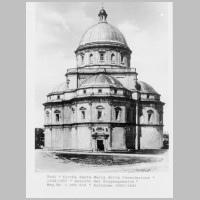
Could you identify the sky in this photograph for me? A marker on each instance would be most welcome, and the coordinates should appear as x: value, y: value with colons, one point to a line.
x: 58, y: 30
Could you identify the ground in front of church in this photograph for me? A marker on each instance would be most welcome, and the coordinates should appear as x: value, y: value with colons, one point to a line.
x: 61, y: 161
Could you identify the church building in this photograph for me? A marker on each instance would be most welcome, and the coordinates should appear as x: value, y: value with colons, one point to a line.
x: 101, y: 105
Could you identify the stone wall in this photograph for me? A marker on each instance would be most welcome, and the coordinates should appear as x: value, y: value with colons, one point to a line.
x: 151, y: 137
x: 118, y: 138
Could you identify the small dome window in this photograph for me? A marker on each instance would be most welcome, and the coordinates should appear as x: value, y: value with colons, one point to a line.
x: 91, y: 58
x: 122, y: 59
x: 82, y: 109
x: 84, y: 91
x: 57, y: 115
x: 150, y: 113
x: 102, y: 55
x: 99, y: 112
x: 82, y: 59
x: 47, y: 116
x: 112, y: 58
x: 100, y: 91
x: 118, y: 113
x: 58, y: 96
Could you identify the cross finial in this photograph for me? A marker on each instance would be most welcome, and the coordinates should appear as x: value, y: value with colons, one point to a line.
x: 102, y: 4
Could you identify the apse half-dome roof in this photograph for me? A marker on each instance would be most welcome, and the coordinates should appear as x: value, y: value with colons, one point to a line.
x: 60, y: 88
x: 101, y: 80
x: 146, y: 88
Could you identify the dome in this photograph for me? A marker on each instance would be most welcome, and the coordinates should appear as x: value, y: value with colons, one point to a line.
x: 101, y: 80
x: 60, y: 88
x: 102, y: 32
x: 146, y: 88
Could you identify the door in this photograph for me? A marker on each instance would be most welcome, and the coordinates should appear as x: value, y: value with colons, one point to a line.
x: 100, y: 145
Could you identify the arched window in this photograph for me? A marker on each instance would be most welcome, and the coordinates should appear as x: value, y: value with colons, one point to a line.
x: 101, y: 57
x: 82, y: 59
x: 118, y: 113
x: 128, y: 115
x: 112, y: 58
x: 47, y: 116
x: 73, y: 114
x: 57, y: 115
x: 91, y: 58
x: 82, y: 109
x: 99, y: 112
x: 122, y: 59
x: 150, y: 113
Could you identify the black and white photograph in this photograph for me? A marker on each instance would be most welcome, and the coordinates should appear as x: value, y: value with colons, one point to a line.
x: 99, y: 98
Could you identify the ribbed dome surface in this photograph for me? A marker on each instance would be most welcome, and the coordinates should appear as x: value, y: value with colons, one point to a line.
x: 146, y: 88
x: 101, y: 80
x: 102, y: 32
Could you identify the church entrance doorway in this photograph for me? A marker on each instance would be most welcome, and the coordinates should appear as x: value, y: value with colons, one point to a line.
x: 100, y: 145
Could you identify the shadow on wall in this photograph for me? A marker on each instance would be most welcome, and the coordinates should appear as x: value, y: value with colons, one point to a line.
x: 39, y: 138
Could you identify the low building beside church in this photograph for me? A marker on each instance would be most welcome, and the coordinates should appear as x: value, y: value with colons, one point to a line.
x: 102, y: 106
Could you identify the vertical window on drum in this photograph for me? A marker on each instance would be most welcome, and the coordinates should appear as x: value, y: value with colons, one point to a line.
x: 100, y: 112
x: 149, y: 113
x: 57, y: 115
x: 122, y: 59
x: 73, y: 114
x: 102, y: 57
x: 118, y: 113
x: 47, y: 116
x: 82, y: 110
x: 82, y: 59
x: 91, y: 58
x: 113, y: 58
x: 83, y: 114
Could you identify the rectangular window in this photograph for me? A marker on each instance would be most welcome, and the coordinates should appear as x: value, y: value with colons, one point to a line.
x: 84, y: 91
x: 58, y: 97
x: 115, y: 91
x: 149, y: 117
x: 100, y: 90
x: 99, y: 114
x: 82, y: 59
x: 57, y: 117
x: 122, y: 59
x: 101, y: 56
x: 117, y: 114
x: 83, y: 114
